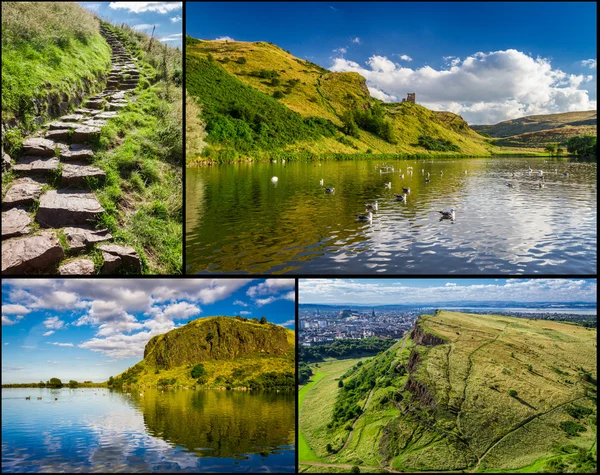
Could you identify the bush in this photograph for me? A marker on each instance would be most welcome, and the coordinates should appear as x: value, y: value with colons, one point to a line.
x: 263, y: 320
x: 241, y: 60
x: 355, y: 469
x: 437, y: 145
x: 198, y: 371
x: 340, y: 384
x: 582, y: 145
x: 512, y: 393
x: 278, y: 95
x: 572, y: 428
x: 329, y: 448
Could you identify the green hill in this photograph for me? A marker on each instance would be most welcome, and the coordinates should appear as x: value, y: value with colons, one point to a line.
x: 539, y: 130
x: 232, y: 351
x: 259, y: 101
x: 468, y: 392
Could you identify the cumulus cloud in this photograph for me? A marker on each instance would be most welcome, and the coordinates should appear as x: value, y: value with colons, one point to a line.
x: 48, y: 333
x: 14, y: 309
x: 484, y: 88
x: 271, y: 286
x: 8, y: 321
x: 356, y: 40
x: 245, y: 312
x: 175, y: 19
x: 267, y: 301
x: 589, y: 63
x: 224, y: 38
x: 141, y: 7
x: 405, y: 57
x: 341, y: 50
x: 54, y: 322
x: 240, y: 303
x: 175, y: 37
x: 57, y: 343
x: 289, y: 323
x: 143, y: 26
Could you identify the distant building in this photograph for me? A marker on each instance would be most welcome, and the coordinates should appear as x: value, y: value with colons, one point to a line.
x: 410, y: 97
x: 373, y: 313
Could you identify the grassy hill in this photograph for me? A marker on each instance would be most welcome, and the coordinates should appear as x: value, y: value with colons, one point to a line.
x: 539, y: 130
x: 470, y: 392
x: 234, y: 352
x: 259, y: 101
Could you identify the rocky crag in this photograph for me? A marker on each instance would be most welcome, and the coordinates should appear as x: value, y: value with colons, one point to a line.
x: 49, y: 212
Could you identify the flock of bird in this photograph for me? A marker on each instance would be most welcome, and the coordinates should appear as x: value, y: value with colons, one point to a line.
x: 39, y: 398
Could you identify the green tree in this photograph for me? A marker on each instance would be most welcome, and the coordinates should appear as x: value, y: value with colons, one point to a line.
x: 241, y: 60
x: 198, y: 371
x: 275, y: 82
x: 42, y: 384
x: 355, y: 469
x: 340, y: 384
x: 349, y: 126
x: 329, y: 448
x: 512, y: 393
x: 263, y: 320
x: 111, y: 381
x: 551, y: 149
x: 210, y: 57
x: 278, y: 95
x: 55, y: 382
x: 73, y: 384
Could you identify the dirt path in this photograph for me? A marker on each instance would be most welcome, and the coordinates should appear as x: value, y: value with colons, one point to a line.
x: 56, y: 176
x: 347, y: 466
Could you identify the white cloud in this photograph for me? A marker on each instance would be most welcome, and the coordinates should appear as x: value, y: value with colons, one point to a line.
x: 143, y: 26
x: 54, y: 322
x: 52, y: 362
x: 93, y: 6
x: 5, y: 344
x: 245, y: 312
x: 263, y: 302
x: 405, y: 57
x: 48, y: 333
x: 175, y: 19
x: 224, y: 38
x: 356, y: 40
x: 175, y: 37
x: 240, y: 303
x: 7, y: 321
x: 271, y: 286
x: 141, y: 7
x: 484, y: 88
x: 589, y: 63
x: 57, y: 343
x: 341, y: 50
x: 289, y: 323
x: 14, y: 309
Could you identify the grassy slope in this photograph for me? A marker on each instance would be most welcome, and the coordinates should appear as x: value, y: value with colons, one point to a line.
x: 476, y: 422
x: 538, y: 130
x: 315, y: 408
x: 320, y: 93
x: 46, y: 59
x: 248, y: 366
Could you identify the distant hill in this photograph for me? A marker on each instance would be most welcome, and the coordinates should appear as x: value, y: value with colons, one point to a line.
x: 258, y: 101
x: 539, y: 130
x: 233, y: 352
x: 467, y: 392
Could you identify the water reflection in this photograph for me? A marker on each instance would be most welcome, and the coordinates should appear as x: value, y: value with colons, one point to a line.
x: 237, y: 221
x: 204, y: 431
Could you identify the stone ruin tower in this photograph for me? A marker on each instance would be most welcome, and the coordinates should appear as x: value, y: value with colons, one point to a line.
x: 410, y: 97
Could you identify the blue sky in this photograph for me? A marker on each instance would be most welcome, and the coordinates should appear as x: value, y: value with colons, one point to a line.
x: 166, y: 16
x: 488, y: 61
x: 91, y: 329
x: 425, y: 291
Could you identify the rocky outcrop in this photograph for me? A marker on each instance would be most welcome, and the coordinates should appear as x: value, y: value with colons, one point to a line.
x: 117, y: 257
x: 413, y: 360
x: 420, y: 393
x: 422, y: 337
x: 31, y: 254
x: 15, y: 223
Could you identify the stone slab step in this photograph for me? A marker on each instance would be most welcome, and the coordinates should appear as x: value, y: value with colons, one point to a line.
x: 39, y: 147
x: 60, y: 125
x: 36, y: 165
x: 15, y: 223
x: 77, y: 173
x: 114, y: 106
x: 72, y: 117
x: 94, y: 103
x: 106, y: 115
x: 31, y: 254
x: 120, y: 257
x: 58, y: 134
x: 67, y: 208
x: 22, y: 193
x: 84, y: 133
x: 80, y: 239
x: 79, y: 266
x: 77, y: 152
x: 95, y: 122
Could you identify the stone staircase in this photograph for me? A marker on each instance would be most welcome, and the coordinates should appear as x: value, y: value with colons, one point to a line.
x: 60, y: 155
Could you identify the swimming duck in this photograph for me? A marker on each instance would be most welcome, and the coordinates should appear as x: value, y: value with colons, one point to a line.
x: 39, y: 398
x: 565, y: 174
x: 441, y: 172
x: 540, y: 173
x: 401, y: 198
x: 402, y: 176
x: 529, y: 170
x: 372, y: 206
x: 465, y: 172
x: 388, y: 185
x: 448, y: 214
x: 406, y: 190
x: 27, y: 398
x: 330, y: 190
x: 427, y: 180
x: 361, y: 217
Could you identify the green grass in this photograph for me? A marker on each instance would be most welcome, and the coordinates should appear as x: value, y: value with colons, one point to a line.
x: 47, y: 60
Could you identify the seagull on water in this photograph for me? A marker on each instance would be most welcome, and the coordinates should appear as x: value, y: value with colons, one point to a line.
x: 274, y: 179
x: 372, y: 206
x: 321, y: 182
x: 362, y: 217
x: 427, y: 180
x: 401, y: 198
x: 448, y: 214
x: 406, y: 190
x: 388, y: 185
x: 330, y: 190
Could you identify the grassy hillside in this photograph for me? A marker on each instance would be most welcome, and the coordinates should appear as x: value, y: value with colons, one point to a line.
x: 52, y: 55
x: 234, y: 352
x: 471, y: 392
x: 261, y: 102
x: 539, y: 130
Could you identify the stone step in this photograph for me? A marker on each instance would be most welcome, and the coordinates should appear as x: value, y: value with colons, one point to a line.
x: 36, y: 165
x: 107, y: 114
x: 60, y: 125
x: 31, y: 254
x: 15, y: 223
x: 94, y: 103
x: 120, y: 257
x: 77, y: 152
x: 85, y: 133
x: 80, y: 239
x: 84, y: 111
x: 79, y: 266
x: 67, y: 208
x: 77, y: 173
x: 59, y: 134
x: 114, y: 106
x: 72, y: 118
x: 95, y: 122
x: 40, y: 147
x: 23, y: 192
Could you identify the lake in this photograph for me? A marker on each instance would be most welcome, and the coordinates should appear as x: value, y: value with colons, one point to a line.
x: 186, y: 430
x: 239, y: 221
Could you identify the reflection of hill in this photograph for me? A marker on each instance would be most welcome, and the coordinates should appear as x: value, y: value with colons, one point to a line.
x: 220, y: 423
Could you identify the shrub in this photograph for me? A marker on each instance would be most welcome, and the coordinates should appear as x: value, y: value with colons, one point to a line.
x: 198, y: 371
x: 278, y: 95
x: 512, y: 393
x: 437, y: 145
x: 355, y: 469
x: 340, y: 384
x: 572, y: 428
x: 329, y: 448
x: 241, y: 60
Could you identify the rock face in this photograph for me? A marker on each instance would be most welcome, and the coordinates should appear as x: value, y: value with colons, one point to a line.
x: 422, y: 337
x: 22, y: 193
x: 219, y: 338
x: 31, y: 254
x: 62, y: 208
x: 116, y: 257
x: 77, y: 267
x: 420, y: 392
x: 15, y: 223
x: 6, y: 161
x: 81, y: 238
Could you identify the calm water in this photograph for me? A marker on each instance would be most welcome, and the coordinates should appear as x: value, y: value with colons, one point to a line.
x: 237, y: 220
x: 189, y: 431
